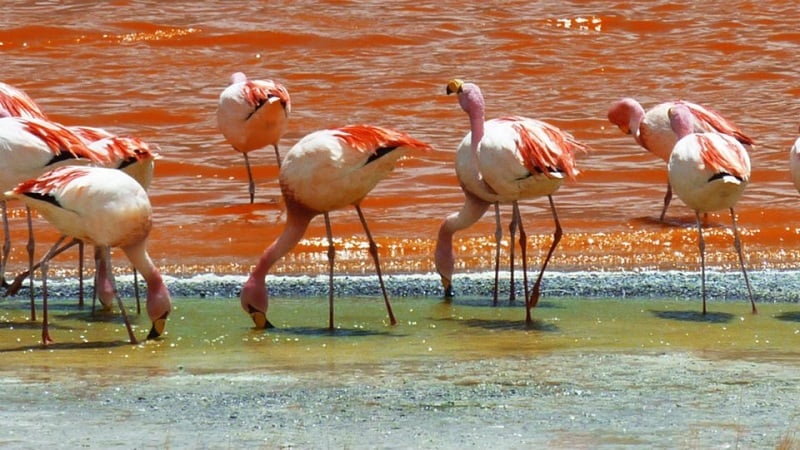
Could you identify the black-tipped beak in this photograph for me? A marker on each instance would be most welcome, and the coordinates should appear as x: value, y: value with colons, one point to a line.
x: 448, y: 289
x: 260, y: 319
x: 448, y: 90
x: 158, y: 327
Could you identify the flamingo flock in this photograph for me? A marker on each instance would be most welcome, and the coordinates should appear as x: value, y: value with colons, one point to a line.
x: 92, y: 185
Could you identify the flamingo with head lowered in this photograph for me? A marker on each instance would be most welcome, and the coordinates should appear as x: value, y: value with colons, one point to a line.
x: 503, y: 161
x: 709, y: 172
x: 652, y: 129
x: 105, y: 208
x: 325, y: 171
x: 253, y: 114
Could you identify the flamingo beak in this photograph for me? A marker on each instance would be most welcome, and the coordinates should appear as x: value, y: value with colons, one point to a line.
x: 158, y: 327
x: 260, y: 319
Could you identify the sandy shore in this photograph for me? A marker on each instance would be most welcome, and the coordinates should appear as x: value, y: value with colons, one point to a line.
x: 574, y: 400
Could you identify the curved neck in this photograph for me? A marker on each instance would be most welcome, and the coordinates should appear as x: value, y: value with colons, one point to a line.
x: 471, y: 212
x: 476, y: 124
x: 297, y: 220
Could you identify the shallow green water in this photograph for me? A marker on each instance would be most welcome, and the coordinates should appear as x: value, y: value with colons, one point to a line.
x: 214, y: 335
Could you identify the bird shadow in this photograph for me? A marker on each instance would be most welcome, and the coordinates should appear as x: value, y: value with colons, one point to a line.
x: 694, y: 316
x: 482, y: 302
x: 338, y: 332
x: 69, y: 346
x: 503, y: 324
x: 789, y: 316
x: 679, y: 222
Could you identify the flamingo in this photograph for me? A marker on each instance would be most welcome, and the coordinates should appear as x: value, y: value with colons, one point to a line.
x: 503, y: 161
x: 29, y: 147
x: 106, y: 208
x: 253, y: 114
x: 14, y: 102
x: 794, y: 163
x: 709, y: 172
x: 653, y: 132
x: 327, y: 170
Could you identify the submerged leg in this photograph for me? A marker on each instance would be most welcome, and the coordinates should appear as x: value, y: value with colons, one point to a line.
x: 373, y: 250
x: 534, y: 298
x: 331, y: 256
x: 498, y: 237
x: 701, y: 244
x: 737, y: 244
x: 251, y: 187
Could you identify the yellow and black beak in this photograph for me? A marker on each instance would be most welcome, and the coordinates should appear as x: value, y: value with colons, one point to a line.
x: 260, y: 319
x: 158, y: 327
x: 454, y: 86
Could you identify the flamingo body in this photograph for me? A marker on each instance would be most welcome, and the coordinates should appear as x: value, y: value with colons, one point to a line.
x: 502, y: 161
x: 709, y: 172
x: 325, y: 171
x: 794, y: 164
x: 106, y: 208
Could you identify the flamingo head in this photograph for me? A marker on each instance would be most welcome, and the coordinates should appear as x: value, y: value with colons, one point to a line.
x: 681, y: 120
x: 238, y: 77
x: 626, y: 114
x: 159, y: 306
x: 255, y: 301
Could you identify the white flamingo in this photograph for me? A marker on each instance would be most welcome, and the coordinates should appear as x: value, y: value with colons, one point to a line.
x: 106, y: 208
x: 253, y: 114
x: 709, y: 172
x: 325, y: 171
x: 503, y: 161
x: 652, y: 130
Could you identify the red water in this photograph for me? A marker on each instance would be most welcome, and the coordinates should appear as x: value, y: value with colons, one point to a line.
x: 156, y: 69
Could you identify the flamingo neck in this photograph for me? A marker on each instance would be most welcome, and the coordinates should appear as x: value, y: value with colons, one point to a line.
x: 444, y: 255
x: 158, y: 299
x: 297, y: 219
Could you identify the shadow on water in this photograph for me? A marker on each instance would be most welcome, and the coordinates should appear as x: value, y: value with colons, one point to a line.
x: 694, y: 316
x: 69, y: 346
x: 340, y: 332
x: 483, y: 302
x: 789, y: 316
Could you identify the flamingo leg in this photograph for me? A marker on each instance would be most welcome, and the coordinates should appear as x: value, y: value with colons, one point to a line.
x: 13, y: 288
x: 136, y: 291
x: 373, y: 250
x: 534, y: 298
x: 80, y: 274
x: 498, y: 237
x: 43, y: 264
x: 667, y: 200
x: 512, y: 231
x: 251, y: 184
x: 31, y: 248
x: 523, y: 244
x: 6, y: 244
x: 331, y: 256
x: 701, y: 244
x: 737, y: 244
x: 131, y: 336
x: 277, y: 155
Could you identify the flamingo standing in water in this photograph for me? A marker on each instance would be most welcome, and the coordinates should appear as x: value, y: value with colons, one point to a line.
x: 503, y: 161
x: 709, y: 172
x: 106, y: 208
x: 794, y: 163
x: 29, y: 147
x: 253, y: 114
x: 653, y: 132
x: 14, y: 102
x: 325, y: 171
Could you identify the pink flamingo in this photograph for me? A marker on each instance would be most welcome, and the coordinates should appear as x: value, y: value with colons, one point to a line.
x: 325, y: 171
x: 253, y: 114
x: 29, y: 147
x: 106, y: 208
x: 653, y: 132
x: 709, y: 172
x: 14, y: 102
x: 503, y: 161
x: 794, y: 163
